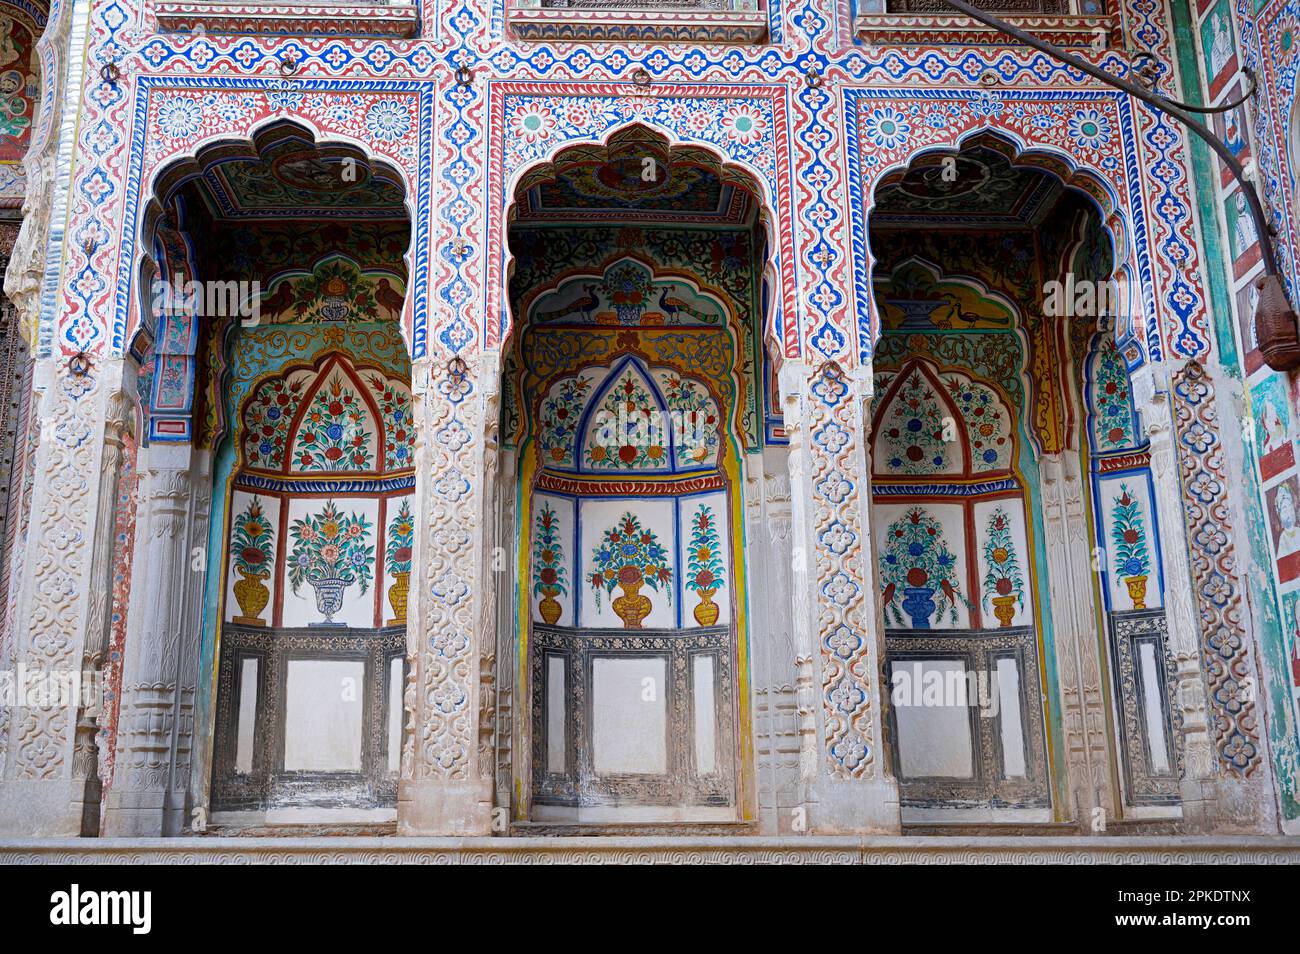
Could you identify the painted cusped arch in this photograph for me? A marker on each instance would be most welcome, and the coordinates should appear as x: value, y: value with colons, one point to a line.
x: 334, y: 417
x: 633, y: 418
x: 933, y: 423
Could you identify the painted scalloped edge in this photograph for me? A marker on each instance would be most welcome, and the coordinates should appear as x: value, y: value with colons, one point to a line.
x: 889, y: 29
x: 313, y: 19
x: 646, y: 25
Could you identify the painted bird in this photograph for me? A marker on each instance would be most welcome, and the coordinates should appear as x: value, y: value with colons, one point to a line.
x: 280, y: 302
x: 969, y: 317
x: 586, y: 304
x: 388, y: 298
x: 671, y: 306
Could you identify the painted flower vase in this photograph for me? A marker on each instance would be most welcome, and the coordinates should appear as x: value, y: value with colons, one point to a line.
x: 631, y: 607
x: 1004, y: 608
x: 918, y: 603
x: 550, y: 607
x: 334, y: 306
x: 329, y: 596
x: 1137, y: 591
x: 252, y: 596
x: 398, y: 594
x: 706, y: 613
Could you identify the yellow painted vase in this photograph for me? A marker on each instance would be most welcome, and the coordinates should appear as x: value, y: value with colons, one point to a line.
x: 252, y: 596
x: 1004, y: 608
x: 706, y: 613
x: 1137, y: 591
x: 398, y: 594
x: 549, y: 606
x: 631, y: 607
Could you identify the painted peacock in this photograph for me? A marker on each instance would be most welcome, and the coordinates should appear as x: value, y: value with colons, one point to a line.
x: 677, y: 308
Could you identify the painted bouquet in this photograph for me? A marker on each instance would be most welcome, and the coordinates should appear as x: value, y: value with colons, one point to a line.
x: 251, y: 544
x: 918, y: 562
x: 550, y: 579
x: 401, y: 537
x: 1004, y: 583
x: 560, y: 415
x: 330, y: 553
x: 630, y: 557
x: 333, y: 434
x: 252, y: 552
x: 1128, y: 532
x: 628, y: 288
x: 397, y: 553
x: 704, y: 565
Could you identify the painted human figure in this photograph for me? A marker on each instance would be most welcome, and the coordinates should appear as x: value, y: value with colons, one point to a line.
x: 1274, y: 429
x: 1288, y: 541
x: 1243, y: 231
x: 1252, y: 300
x: 1221, y: 45
x: 1232, y: 133
x: 1295, y: 646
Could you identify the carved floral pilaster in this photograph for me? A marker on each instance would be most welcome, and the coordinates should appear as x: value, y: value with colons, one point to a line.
x: 443, y: 789
x: 845, y: 772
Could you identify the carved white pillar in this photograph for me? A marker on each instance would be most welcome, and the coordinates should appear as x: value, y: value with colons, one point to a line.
x: 1075, y: 623
x: 43, y: 784
x: 154, y: 690
x: 844, y: 769
x: 444, y: 790
x: 1211, y: 799
x: 775, y: 659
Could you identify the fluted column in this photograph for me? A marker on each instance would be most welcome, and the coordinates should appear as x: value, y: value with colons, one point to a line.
x: 86, y: 754
x: 151, y: 674
x: 444, y: 788
x: 1075, y: 623
x: 845, y: 777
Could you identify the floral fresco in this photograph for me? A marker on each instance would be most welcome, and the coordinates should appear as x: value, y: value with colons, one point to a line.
x: 630, y: 556
x: 986, y: 424
x: 1112, y: 422
x: 266, y: 421
x: 626, y: 431
x: 252, y: 553
x: 1129, y: 534
x: 695, y: 420
x: 1004, y: 582
x: 330, y: 553
x: 919, y: 572
x: 394, y: 400
x: 913, y: 433
x: 560, y: 416
x: 335, y: 432
x: 550, y: 576
x: 704, y: 569
x: 397, y: 557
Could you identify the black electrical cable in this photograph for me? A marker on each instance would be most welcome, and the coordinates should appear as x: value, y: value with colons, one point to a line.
x: 1161, y: 103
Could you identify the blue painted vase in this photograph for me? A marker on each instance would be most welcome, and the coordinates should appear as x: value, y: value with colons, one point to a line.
x: 918, y: 603
x: 329, y: 596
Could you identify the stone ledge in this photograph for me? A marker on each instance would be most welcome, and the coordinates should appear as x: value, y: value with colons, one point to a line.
x: 809, y: 849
